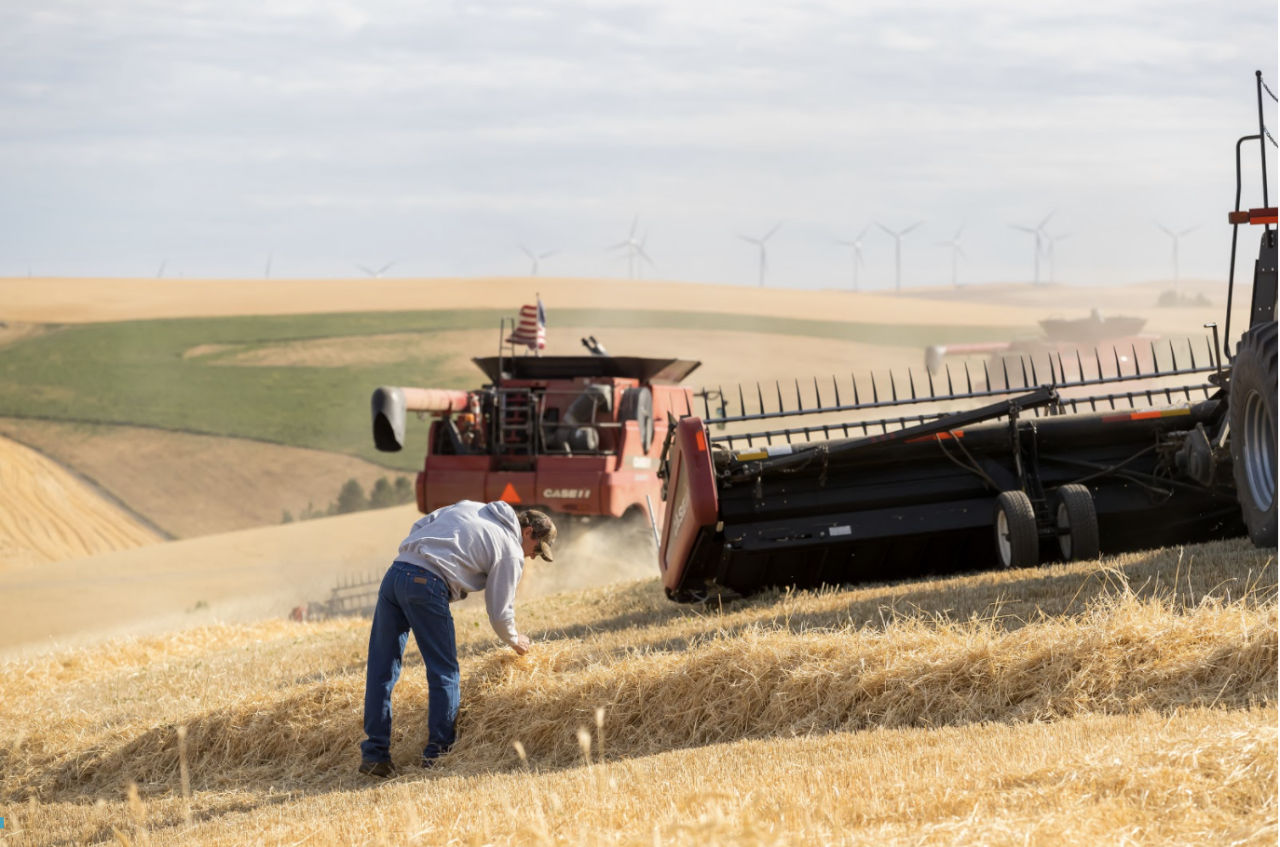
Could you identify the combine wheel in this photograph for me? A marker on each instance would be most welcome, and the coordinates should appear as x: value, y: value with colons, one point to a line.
x: 1252, y: 404
x: 1077, y: 523
x: 1017, y: 539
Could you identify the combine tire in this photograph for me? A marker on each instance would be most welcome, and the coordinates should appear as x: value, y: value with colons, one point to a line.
x: 1252, y: 405
x: 1077, y: 523
x: 637, y: 405
x: 1017, y: 539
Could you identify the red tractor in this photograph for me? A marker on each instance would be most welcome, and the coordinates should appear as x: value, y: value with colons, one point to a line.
x: 574, y: 435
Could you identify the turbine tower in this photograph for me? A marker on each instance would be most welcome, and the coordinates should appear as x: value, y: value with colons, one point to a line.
x: 856, y: 244
x: 635, y: 249
x: 760, y: 242
x: 897, y: 251
x: 1175, y: 236
x: 1050, y: 241
x: 1038, y: 232
x: 266, y: 274
x: 535, y: 257
x: 956, y: 253
x: 379, y: 272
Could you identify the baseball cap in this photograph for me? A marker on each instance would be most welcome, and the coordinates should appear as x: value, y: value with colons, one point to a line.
x: 544, y: 532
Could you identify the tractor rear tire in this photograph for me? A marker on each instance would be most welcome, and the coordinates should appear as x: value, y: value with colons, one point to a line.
x: 1017, y: 539
x: 1252, y: 411
x: 1077, y: 523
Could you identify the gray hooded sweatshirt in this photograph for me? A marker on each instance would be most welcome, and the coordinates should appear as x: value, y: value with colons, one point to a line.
x: 473, y: 547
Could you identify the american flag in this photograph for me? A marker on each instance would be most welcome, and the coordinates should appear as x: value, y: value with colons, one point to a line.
x: 531, y: 327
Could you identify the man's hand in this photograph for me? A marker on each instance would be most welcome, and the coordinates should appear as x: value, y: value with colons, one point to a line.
x: 522, y: 645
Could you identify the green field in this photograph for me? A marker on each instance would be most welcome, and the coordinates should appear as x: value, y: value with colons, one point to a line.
x: 135, y: 372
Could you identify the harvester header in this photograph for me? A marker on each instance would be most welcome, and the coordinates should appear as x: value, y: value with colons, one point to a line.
x: 1070, y: 454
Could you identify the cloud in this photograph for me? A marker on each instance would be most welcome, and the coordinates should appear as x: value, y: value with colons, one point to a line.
x: 543, y: 117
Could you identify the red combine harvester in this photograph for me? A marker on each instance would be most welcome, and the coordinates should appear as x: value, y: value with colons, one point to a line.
x: 1116, y: 336
x: 1080, y: 454
x: 574, y: 435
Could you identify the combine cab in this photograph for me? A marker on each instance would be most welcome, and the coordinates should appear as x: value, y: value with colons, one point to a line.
x: 1063, y: 456
x: 575, y: 435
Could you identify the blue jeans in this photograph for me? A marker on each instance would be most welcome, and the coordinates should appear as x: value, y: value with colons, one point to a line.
x: 411, y: 598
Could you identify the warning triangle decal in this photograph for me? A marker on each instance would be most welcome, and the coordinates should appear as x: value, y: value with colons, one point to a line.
x: 509, y: 494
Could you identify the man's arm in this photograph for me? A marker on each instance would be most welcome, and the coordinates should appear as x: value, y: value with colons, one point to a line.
x: 500, y: 601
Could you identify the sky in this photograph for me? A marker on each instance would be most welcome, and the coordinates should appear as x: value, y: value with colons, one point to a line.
x: 304, y: 138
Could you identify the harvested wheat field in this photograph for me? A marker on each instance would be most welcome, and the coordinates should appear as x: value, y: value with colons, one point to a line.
x: 47, y: 514
x: 1129, y: 701
x: 189, y: 485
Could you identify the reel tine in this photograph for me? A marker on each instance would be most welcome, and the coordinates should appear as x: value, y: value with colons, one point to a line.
x: 1191, y: 351
x: 1116, y: 353
x: 1004, y: 363
x: 969, y: 378
x: 875, y: 392
x: 799, y: 402
x: 951, y: 389
x: 893, y: 386
x: 1035, y: 379
x: 856, y: 400
x: 1097, y: 358
x: 911, y: 380
x: 742, y: 403
x: 929, y: 374
x: 835, y: 386
x: 760, y: 396
x: 1173, y: 354
x: 1137, y: 368
x: 778, y: 386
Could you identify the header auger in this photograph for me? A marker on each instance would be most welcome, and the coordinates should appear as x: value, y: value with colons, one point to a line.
x: 1066, y: 457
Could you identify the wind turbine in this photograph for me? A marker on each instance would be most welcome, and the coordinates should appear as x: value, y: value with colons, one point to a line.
x: 856, y: 244
x: 760, y: 242
x: 266, y: 274
x: 897, y: 251
x: 1038, y: 232
x: 379, y: 272
x: 634, y: 248
x: 956, y: 252
x: 1175, y: 236
x: 160, y: 272
x: 534, y: 257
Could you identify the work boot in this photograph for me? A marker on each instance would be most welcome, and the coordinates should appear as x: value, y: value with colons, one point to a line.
x: 381, y: 770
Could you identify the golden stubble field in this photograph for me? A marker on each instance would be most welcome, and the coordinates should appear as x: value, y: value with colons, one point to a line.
x: 1131, y: 700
